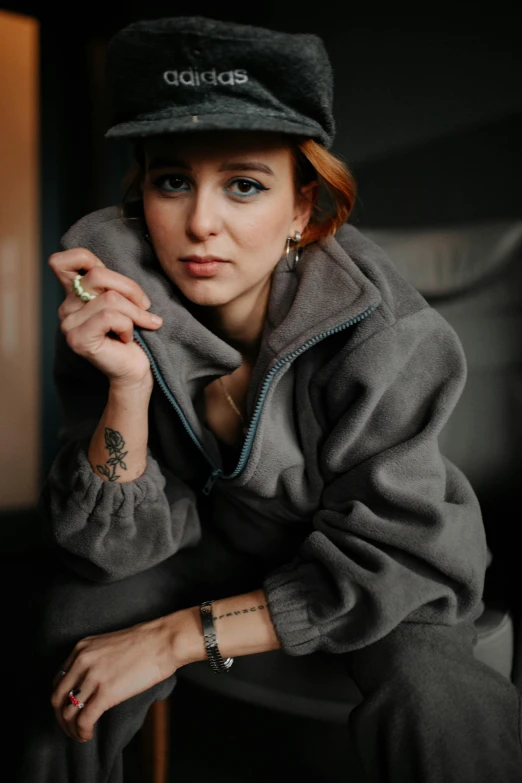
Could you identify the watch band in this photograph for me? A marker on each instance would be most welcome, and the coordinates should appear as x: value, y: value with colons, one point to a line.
x: 216, y: 661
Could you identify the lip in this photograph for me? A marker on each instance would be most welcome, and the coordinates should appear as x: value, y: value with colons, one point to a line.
x: 202, y: 266
x: 203, y: 259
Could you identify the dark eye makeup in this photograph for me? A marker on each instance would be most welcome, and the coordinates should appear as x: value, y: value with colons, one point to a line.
x: 240, y: 187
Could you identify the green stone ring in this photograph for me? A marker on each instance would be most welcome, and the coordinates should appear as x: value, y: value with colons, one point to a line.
x: 78, y: 290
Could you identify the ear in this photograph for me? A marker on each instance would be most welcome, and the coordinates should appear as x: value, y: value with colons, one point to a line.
x: 304, y: 204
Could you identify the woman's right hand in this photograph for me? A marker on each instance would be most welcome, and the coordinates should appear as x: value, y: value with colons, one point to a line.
x: 120, y: 304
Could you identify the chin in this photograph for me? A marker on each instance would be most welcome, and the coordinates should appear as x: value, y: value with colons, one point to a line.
x: 203, y: 295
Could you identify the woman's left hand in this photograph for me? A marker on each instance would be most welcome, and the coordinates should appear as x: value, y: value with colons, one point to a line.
x: 105, y: 670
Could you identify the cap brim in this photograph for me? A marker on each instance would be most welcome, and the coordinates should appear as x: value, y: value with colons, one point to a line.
x: 209, y: 122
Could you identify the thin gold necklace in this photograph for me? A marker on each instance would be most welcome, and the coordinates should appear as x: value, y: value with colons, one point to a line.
x: 230, y: 400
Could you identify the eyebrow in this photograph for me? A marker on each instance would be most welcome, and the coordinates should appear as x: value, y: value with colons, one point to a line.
x: 247, y: 165
x: 160, y: 162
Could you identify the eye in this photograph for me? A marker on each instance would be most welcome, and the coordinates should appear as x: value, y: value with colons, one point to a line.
x: 245, y: 187
x: 171, y: 183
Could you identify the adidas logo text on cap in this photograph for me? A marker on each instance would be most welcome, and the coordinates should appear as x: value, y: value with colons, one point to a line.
x: 193, y: 78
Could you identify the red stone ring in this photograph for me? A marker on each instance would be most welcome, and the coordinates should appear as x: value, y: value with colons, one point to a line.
x: 74, y: 700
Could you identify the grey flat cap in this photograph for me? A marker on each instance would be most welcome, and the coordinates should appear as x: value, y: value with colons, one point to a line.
x: 193, y: 73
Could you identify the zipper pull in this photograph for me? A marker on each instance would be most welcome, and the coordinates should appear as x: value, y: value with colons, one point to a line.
x: 207, y: 489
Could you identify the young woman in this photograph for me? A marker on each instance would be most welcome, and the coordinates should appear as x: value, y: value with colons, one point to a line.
x: 252, y: 399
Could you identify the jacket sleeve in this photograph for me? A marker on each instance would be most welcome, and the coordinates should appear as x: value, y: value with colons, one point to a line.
x: 399, y: 535
x: 107, y: 530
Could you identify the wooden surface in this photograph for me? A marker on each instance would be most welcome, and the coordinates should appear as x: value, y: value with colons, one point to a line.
x: 155, y: 738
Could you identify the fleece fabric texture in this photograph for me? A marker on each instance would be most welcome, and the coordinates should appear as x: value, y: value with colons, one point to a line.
x: 196, y: 74
x: 341, y: 492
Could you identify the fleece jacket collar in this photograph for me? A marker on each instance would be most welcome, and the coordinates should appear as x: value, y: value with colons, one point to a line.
x: 324, y: 291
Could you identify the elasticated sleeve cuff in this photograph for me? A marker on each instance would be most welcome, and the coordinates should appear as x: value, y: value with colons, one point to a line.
x: 89, y: 491
x: 288, y: 597
x: 113, y: 530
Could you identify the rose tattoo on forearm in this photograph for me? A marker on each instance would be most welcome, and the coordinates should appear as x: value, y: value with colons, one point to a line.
x: 114, y: 443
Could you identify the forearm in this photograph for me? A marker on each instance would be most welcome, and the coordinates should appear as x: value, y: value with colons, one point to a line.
x: 243, y: 627
x: 118, y: 448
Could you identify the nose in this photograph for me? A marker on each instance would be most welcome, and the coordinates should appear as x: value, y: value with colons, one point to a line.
x: 203, y: 218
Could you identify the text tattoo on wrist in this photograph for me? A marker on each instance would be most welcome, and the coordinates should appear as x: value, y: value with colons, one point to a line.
x: 114, y: 443
x: 239, y: 611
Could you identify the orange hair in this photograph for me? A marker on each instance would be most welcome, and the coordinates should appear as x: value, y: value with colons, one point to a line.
x: 312, y: 162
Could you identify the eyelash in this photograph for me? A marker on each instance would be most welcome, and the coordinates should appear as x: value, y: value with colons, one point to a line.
x: 159, y: 182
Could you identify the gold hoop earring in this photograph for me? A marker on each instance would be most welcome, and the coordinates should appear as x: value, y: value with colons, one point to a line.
x: 293, y: 241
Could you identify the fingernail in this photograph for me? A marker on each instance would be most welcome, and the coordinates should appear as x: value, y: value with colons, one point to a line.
x: 146, y: 302
x: 156, y: 319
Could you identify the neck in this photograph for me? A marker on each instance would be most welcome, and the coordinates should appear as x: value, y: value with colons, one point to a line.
x: 240, y: 322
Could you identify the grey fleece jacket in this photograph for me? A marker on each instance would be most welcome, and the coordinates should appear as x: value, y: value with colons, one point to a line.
x: 340, y: 492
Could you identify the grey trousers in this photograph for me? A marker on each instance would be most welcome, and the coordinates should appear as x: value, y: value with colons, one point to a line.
x: 431, y: 713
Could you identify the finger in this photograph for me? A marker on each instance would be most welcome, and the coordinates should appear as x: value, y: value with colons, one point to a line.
x: 88, y: 339
x: 98, y: 279
x: 71, y: 304
x: 68, y: 263
x: 72, y: 712
x: 60, y: 712
x: 66, y: 711
x: 58, y: 677
x: 113, y: 301
x: 74, y: 672
x: 62, y: 724
x: 69, y: 662
x: 60, y: 703
x: 87, y: 718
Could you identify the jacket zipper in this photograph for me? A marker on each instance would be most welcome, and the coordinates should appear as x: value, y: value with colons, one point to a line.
x: 249, y: 438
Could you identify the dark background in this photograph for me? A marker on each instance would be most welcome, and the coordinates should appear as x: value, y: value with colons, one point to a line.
x: 429, y: 115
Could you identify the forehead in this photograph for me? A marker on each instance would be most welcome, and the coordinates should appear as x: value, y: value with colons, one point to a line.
x: 218, y: 146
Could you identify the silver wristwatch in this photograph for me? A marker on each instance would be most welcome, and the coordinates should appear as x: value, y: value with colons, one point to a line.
x: 216, y: 662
